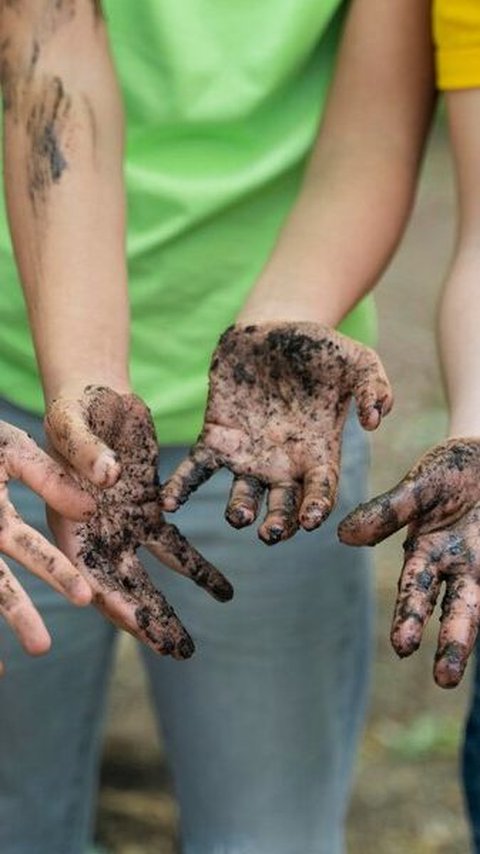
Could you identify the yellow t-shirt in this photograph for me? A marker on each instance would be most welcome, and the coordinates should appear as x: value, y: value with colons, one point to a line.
x: 456, y: 29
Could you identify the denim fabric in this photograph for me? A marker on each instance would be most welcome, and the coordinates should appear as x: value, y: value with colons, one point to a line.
x: 261, y: 725
x: 471, y: 758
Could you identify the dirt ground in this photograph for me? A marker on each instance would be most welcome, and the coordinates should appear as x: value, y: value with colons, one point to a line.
x: 406, y: 798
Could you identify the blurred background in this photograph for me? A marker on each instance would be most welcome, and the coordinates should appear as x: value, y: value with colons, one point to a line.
x: 407, y: 798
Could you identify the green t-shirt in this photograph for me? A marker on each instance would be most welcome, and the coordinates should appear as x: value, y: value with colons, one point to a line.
x: 222, y: 102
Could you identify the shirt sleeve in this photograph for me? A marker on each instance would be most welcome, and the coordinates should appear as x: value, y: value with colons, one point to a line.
x: 456, y: 33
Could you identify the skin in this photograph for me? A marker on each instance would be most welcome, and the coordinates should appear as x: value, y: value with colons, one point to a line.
x: 118, y: 430
x: 439, y: 498
x: 69, y: 236
x: 439, y: 501
x: 278, y: 400
x: 21, y: 459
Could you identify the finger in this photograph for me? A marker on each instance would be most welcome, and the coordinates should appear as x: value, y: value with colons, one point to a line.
x: 122, y: 590
x: 458, y: 630
x: 372, y: 522
x: 18, y: 611
x: 174, y: 550
x: 155, y: 622
x: 245, y: 500
x: 418, y: 590
x: 281, y: 521
x: 35, y: 553
x: 190, y: 474
x: 28, y: 463
x: 373, y: 394
x: 70, y: 434
x: 319, y: 495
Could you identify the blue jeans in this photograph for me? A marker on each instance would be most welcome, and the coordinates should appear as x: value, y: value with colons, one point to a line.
x: 260, y: 727
x: 471, y: 758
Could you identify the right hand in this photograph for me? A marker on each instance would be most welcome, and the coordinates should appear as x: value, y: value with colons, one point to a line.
x: 109, y: 440
x: 279, y: 396
x: 439, y: 500
x: 22, y: 459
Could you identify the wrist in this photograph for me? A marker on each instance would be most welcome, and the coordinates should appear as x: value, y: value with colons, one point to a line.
x: 73, y: 386
x: 275, y: 302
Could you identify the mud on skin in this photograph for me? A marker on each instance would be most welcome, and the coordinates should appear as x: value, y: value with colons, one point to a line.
x: 278, y: 399
x: 129, y: 516
x: 46, y: 125
x: 39, y: 102
x: 439, y: 500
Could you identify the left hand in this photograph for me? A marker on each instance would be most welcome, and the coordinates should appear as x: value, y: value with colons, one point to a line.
x: 439, y: 500
x: 110, y: 439
x: 279, y: 396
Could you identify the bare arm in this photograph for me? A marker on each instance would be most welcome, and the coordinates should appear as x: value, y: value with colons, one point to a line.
x: 360, y: 184
x: 439, y: 498
x: 63, y: 162
x: 460, y: 304
x: 63, y: 142
x: 282, y: 380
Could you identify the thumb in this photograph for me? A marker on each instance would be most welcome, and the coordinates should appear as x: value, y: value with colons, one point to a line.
x: 372, y: 522
x: 67, y: 428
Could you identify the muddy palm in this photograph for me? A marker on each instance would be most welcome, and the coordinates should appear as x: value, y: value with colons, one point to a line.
x: 111, y: 438
x: 278, y: 399
x: 439, y: 500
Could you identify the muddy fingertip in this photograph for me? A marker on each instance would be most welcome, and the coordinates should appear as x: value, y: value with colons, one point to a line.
x: 347, y: 529
x: 450, y: 664
x: 404, y: 644
x: 239, y: 516
x: 184, y: 648
x: 314, y: 515
x: 169, y: 503
x: 271, y: 536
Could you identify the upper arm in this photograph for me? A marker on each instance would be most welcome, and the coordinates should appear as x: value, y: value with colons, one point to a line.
x: 464, y: 120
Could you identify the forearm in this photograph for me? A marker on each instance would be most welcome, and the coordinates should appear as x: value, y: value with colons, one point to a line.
x: 63, y: 145
x: 360, y: 183
x: 460, y: 303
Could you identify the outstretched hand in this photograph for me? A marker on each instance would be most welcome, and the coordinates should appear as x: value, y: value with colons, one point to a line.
x: 439, y: 500
x: 109, y: 440
x: 278, y: 399
x: 22, y: 459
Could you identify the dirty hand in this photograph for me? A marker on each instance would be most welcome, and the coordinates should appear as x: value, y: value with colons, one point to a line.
x: 439, y: 499
x: 22, y: 459
x: 109, y: 440
x: 279, y: 396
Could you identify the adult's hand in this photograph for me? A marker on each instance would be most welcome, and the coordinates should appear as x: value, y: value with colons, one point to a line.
x: 22, y: 459
x: 278, y: 400
x: 109, y: 440
x: 439, y: 500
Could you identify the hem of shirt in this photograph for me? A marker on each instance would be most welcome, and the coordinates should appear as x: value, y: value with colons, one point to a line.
x: 458, y: 68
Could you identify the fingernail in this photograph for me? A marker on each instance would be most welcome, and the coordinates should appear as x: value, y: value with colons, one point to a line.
x: 239, y: 517
x: 186, y: 647
x: 106, y: 468
x: 222, y: 590
x: 314, y: 515
x: 274, y: 535
x: 168, y: 502
x: 80, y: 592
